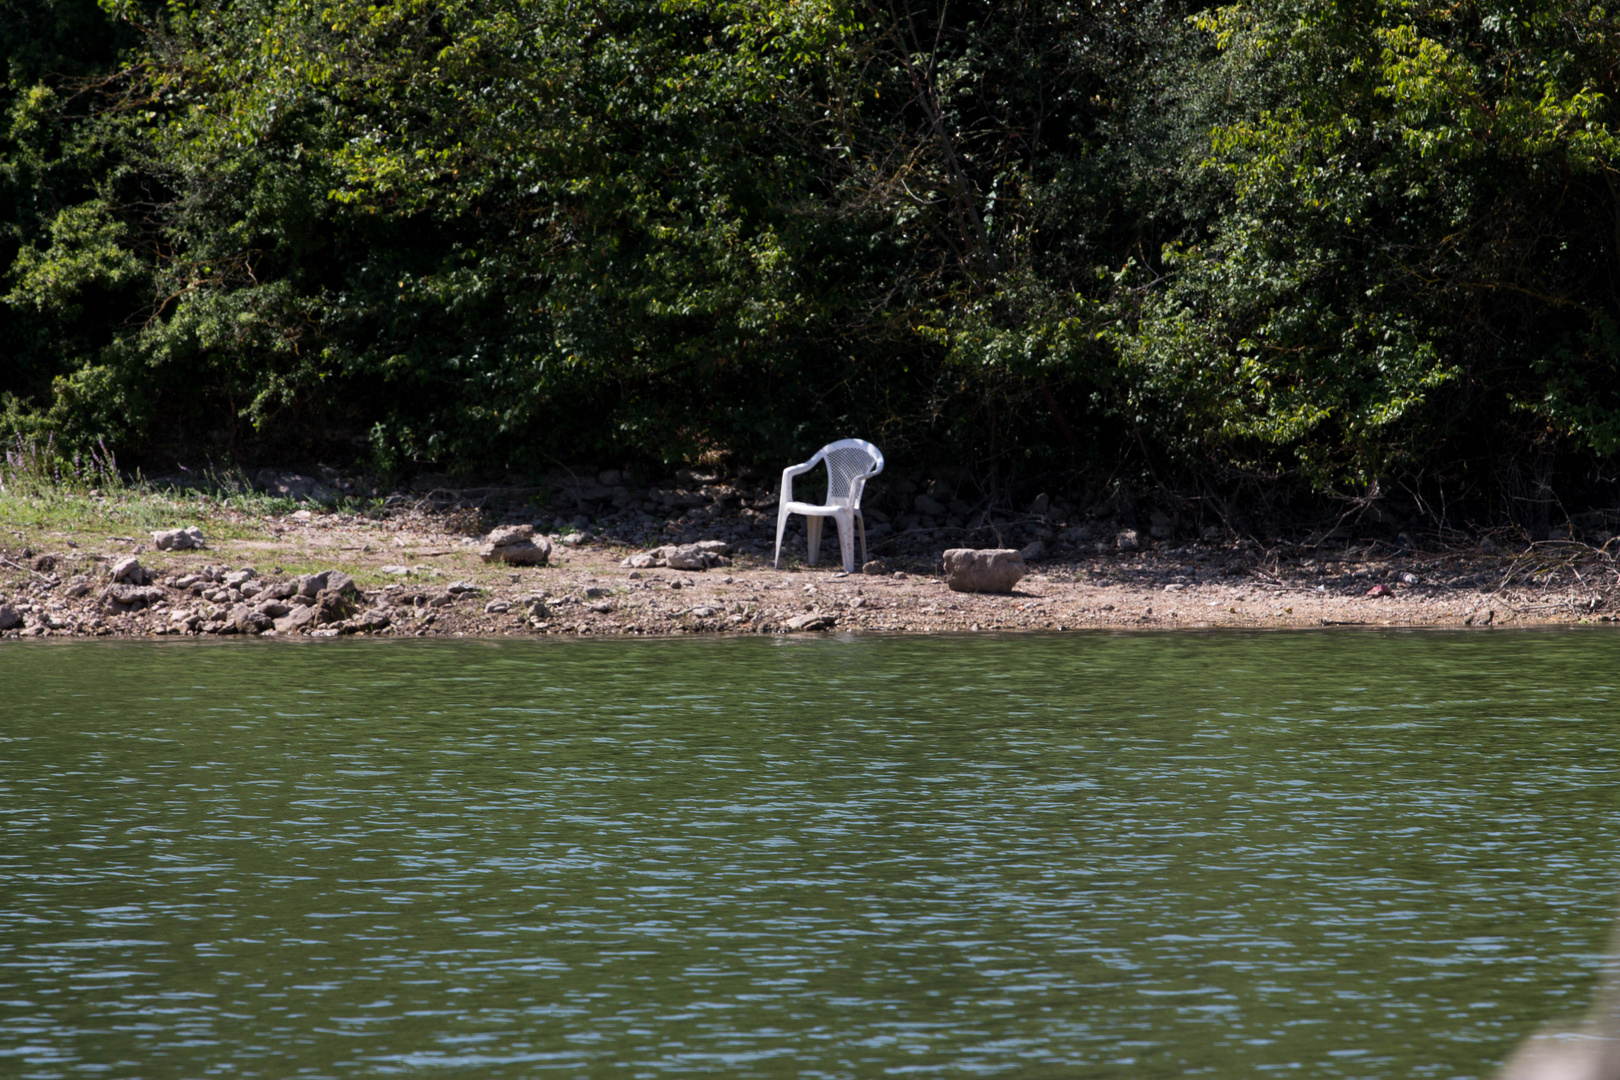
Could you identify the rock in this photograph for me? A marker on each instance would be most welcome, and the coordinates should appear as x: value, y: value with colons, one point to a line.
x: 9, y: 619
x: 375, y: 619
x: 188, y: 620
x: 45, y: 563
x: 275, y: 609
x: 875, y: 568
x: 1380, y: 590
x: 1033, y: 551
x: 716, y: 547
x: 395, y: 570
x: 688, y: 557
x: 281, y: 590
x: 129, y: 597
x: 298, y: 619
x: 802, y: 623
x: 248, y: 621
x: 610, y: 477
x: 516, y: 545
x: 497, y: 607
x: 237, y: 578
x: 1127, y: 540
x: 335, y: 605
x: 1409, y: 578
x: 129, y: 571
x: 994, y: 570
x: 535, y: 606
x: 1040, y: 504
x: 928, y: 506
x: 327, y: 580
x: 641, y: 560
x: 78, y: 586
x: 185, y: 539
x: 705, y: 612
x: 459, y: 587
x: 503, y: 535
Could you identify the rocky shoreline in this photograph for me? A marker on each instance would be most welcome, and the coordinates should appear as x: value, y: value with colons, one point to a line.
x: 320, y: 574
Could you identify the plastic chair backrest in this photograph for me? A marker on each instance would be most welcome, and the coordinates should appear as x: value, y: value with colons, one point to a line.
x: 849, y: 463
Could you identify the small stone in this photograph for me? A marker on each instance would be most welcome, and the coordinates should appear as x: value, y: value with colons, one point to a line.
x: 395, y: 570
x: 717, y: 547
x: 642, y: 560
x: 236, y: 578
x: 1033, y: 551
x: 459, y: 587
x: 705, y: 612
x: 993, y: 570
x: 128, y: 570
x: 78, y: 586
x: 875, y: 568
x: 1127, y: 540
x: 595, y: 592
x: 275, y: 609
x: 1409, y: 578
x: 497, y: 607
x: 185, y: 539
x: 803, y: 623
x: 281, y: 590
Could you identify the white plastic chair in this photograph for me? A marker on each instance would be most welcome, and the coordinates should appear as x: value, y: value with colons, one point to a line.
x: 850, y: 463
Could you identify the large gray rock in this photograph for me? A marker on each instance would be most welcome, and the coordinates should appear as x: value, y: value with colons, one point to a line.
x: 516, y: 545
x: 248, y: 621
x: 326, y: 581
x: 815, y: 621
x: 299, y: 619
x: 130, y: 597
x: 698, y: 556
x: 178, y: 539
x: 993, y: 570
x: 128, y: 571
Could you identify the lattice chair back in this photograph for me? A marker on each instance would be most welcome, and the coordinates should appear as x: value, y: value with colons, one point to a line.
x: 847, y: 469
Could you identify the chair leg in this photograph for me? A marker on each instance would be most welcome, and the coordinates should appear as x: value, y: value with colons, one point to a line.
x: 781, y: 524
x: 861, y: 521
x: 846, y: 540
x: 812, y: 535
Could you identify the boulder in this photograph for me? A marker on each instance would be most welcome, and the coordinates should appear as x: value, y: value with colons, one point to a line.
x: 130, y: 597
x: 9, y: 619
x: 184, y: 539
x: 335, y: 605
x: 128, y: 571
x: 687, y: 557
x: 247, y: 621
x: 813, y: 621
x: 993, y: 570
x: 326, y: 581
x: 516, y: 545
x: 298, y: 619
x: 875, y: 568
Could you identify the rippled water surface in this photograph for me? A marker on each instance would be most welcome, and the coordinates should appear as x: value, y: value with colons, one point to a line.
x: 1333, y: 854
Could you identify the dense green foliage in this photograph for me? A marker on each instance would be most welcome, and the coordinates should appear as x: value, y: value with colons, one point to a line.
x: 1343, y: 247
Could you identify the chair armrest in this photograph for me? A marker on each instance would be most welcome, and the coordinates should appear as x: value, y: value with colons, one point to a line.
x: 789, y: 473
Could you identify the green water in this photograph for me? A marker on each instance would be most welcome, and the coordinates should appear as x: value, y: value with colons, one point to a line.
x: 1325, y: 854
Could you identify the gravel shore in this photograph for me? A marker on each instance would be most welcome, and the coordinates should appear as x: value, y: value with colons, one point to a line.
x: 411, y: 575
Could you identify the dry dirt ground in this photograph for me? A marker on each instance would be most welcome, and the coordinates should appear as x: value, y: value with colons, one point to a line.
x: 57, y: 585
